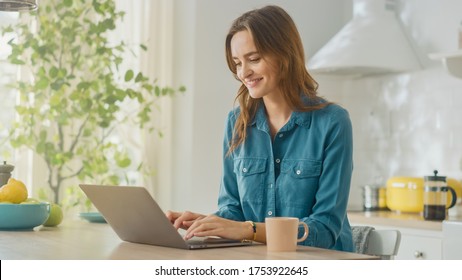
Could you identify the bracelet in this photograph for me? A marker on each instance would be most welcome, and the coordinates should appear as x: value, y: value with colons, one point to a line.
x: 254, y: 228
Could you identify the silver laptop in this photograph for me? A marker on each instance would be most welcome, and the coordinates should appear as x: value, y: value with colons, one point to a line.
x: 136, y: 217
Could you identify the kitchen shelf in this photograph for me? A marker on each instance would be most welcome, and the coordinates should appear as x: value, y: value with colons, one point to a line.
x: 452, y: 61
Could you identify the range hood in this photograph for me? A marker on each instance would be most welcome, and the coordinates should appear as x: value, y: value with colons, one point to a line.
x: 373, y: 42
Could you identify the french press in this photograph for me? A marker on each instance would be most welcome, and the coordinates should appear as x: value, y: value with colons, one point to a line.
x: 435, y: 197
x: 5, y: 173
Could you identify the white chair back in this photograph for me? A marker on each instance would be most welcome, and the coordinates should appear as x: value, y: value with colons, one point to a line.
x: 382, y: 243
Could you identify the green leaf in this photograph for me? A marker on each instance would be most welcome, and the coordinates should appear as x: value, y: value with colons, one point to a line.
x: 55, y: 100
x: 111, y: 99
x: 53, y: 72
x: 122, y: 159
x: 83, y: 85
x: 148, y: 87
x: 67, y: 3
x: 109, y: 24
x: 85, y: 104
x: 139, y: 77
x: 104, y: 123
x: 114, y: 179
x: 97, y: 7
x: 40, y: 148
x: 124, y: 163
x: 17, y: 61
x: 87, y: 132
x: 56, y: 85
x: 41, y: 84
x: 129, y: 75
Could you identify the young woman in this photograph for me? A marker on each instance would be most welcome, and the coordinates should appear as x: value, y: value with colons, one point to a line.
x: 287, y: 152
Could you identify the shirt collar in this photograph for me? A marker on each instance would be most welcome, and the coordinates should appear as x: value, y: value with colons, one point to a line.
x: 297, y: 118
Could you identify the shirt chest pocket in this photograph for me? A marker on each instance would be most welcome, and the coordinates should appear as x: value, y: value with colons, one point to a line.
x: 250, y: 176
x: 298, y: 183
x: 249, y: 166
x: 301, y: 169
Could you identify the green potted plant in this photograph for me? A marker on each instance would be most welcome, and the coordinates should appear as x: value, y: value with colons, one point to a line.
x: 78, y: 94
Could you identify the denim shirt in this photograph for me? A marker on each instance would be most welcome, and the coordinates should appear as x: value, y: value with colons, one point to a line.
x: 304, y: 172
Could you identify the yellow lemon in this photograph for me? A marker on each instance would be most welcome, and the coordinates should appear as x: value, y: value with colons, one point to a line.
x: 14, y: 191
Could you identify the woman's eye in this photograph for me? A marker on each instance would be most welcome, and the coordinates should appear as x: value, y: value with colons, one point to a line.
x: 256, y: 59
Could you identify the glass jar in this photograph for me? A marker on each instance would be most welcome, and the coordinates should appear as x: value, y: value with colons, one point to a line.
x: 435, y: 197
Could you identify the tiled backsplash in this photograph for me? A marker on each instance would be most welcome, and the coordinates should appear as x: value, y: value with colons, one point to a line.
x: 403, y: 125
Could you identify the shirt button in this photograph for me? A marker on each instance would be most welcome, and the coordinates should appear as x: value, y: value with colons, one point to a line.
x: 244, y: 170
x: 270, y: 213
x: 278, y: 160
x: 298, y: 172
x: 281, y: 135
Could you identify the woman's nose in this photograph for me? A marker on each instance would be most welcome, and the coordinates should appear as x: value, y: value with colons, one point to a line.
x: 245, y: 71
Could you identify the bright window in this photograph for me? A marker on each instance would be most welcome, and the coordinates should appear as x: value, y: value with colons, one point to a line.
x: 7, y: 95
x: 147, y: 22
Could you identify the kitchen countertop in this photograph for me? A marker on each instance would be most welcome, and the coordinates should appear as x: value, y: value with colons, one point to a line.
x: 391, y: 218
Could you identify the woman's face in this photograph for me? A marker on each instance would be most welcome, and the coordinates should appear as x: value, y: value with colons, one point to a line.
x: 258, y: 74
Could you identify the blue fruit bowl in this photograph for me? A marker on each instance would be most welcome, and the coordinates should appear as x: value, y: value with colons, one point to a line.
x: 23, y: 216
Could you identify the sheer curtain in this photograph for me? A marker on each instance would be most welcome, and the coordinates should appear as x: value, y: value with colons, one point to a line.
x: 22, y: 158
x: 150, y: 22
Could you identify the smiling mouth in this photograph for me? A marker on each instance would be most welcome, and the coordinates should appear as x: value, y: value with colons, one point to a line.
x: 253, y: 82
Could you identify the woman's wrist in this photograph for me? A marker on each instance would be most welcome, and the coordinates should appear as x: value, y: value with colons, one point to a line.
x: 251, y: 228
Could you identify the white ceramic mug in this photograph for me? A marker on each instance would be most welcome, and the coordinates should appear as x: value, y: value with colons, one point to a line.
x: 282, y: 233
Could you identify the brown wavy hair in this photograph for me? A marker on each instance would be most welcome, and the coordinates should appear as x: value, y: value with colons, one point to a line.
x: 275, y: 35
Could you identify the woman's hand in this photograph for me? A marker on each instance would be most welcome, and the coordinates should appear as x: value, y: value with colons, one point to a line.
x: 183, y: 220
x: 216, y: 226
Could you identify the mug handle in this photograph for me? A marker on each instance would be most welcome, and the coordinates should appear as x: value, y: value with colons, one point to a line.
x: 454, y: 197
x: 305, y: 235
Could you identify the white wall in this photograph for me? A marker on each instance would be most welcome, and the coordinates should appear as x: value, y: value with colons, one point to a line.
x: 408, y: 124
x: 403, y: 125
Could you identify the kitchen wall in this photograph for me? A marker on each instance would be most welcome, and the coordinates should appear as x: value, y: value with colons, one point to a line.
x: 407, y: 124
x: 404, y: 124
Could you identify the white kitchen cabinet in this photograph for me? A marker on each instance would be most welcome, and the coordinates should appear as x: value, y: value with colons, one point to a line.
x: 452, y: 242
x: 415, y: 247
